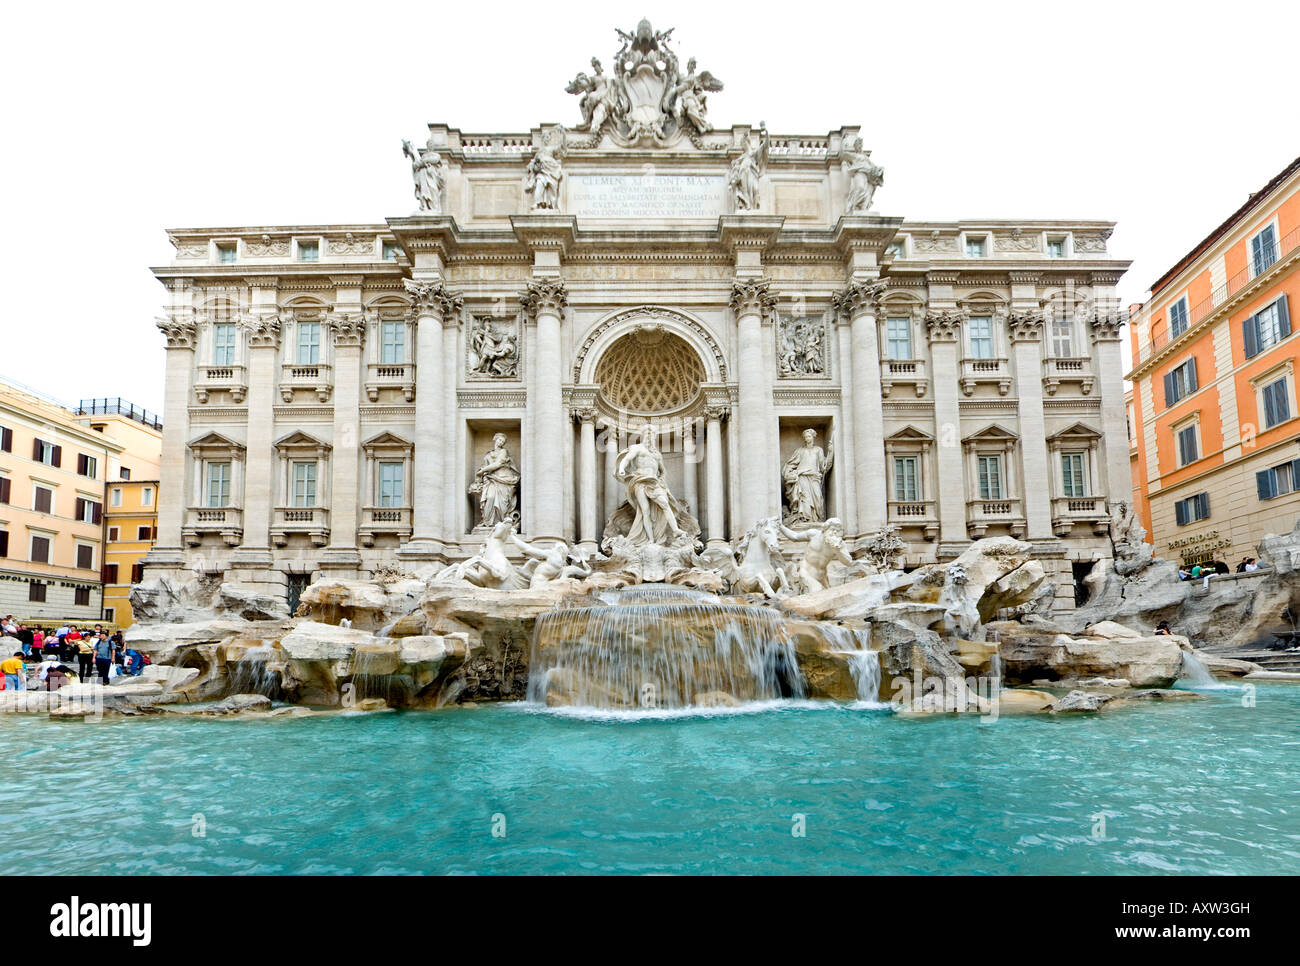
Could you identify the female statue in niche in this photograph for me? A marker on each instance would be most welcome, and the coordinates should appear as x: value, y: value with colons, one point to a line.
x: 496, y: 484
x: 804, y: 474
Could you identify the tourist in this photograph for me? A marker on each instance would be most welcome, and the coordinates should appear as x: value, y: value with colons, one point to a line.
x: 38, y: 641
x: 134, y: 662
x: 1251, y: 565
x: 104, y: 653
x: 1163, y: 628
x: 51, y: 646
x: 85, y: 659
x: 26, y: 637
x: 13, y: 669
x: 1241, y: 567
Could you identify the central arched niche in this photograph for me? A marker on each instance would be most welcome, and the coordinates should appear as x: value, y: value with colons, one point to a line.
x: 649, y: 371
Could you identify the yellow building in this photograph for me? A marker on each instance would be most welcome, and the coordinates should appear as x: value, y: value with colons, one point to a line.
x: 131, y: 498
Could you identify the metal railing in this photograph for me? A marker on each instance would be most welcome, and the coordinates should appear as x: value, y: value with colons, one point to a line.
x: 117, y: 406
x: 1203, y: 309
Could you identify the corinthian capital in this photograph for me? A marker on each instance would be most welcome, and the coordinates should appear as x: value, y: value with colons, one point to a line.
x: 348, y: 329
x: 859, y: 297
x: 544, y: 295
x: 1026, y: 326
x: 1105, y: 325
x: 263, y: 330
x: 433, y: 298
x: 179, y: 329
x: 753, y: 297
x: 944, y: 326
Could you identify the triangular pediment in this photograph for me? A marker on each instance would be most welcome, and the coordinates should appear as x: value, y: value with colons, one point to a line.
x: 991, y: 434
x: 215, y: 440
x: 910, y: 434
x: 1076, y: 431
x: 386, y: 439
x: 299, y: 438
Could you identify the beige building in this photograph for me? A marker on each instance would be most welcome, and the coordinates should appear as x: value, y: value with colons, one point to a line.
x: 333, y: 391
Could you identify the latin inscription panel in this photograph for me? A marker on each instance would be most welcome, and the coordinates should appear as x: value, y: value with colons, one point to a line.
x: 650, y: 195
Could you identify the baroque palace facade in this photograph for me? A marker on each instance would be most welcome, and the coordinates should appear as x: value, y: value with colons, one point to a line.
x: 341, y: 397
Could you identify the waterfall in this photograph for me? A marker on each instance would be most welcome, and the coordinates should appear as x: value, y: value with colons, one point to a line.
x: 864, y: 663
x: 995, y: 659
x: 251, y: 675
x: 374, y: 668
x: 1196, y: 675
x: 658, y: 646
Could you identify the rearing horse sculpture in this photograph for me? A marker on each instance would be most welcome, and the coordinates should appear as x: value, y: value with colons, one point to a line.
x: 758, y: 556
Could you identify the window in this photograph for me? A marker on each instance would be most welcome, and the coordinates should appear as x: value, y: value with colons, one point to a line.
x: 42, y: 499
x: 47, y: 453
x: 85, y: 557
x: 124, y: 473
x: 981, y: 337
x: 308, y: 251
x: 40, y: 550
x: 392, y: 491
x: 5, y: 487
x: 1180, y: 382
x: 304, y: 484
x: 109, y: 615
x: 1263, y: 250
x: 1056, y: 248
x: 990, y: 477
x: 88, y: 511
x: 907, y: 480
x: 1278, y: 480
x: 392, y: 339
x: 898, y: 336
x: 113, y: 534
x: 1178, y: 318
x: 143, y: 533
x: 36, y: 591
x: 146, y: 496
x: 1277, y: 405
x: 218, y: 488
x: 1073, y: 483
x: 110, y: 573
x: 308, y: 343
x: 1267, y: 327
x: 975, y: 247
x: 1188, y: 447
x: 390, y: 251
x: 137, y: 573
x: 81, y: 596
x: 226, y: 254
x: 1062, y: 338
x: 87, y: 465
x: 1192, y: 509
x: 6, y: 439
x: 115, y: 496
x: 223, y: 344
x: 4, y: 543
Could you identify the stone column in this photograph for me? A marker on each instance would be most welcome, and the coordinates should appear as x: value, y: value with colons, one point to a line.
x: 587, y: 526
x: 544, y: 302
x: 349, y: 333
x: 431, y: 303
x: 689, y: 496
x: 613, y: 492
x: 943, y: 329
x: 1105, y: 334
x: 1026, y: 332
x: 714, y: 483
x: 859, y: 302
x: 181, y: 333
x: 263, y: 331
x: 753, y: 304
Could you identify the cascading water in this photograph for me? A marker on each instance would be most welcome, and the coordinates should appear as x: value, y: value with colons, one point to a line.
x: 659, y: 646
x: 864, y: 663
x: 1196, y: 675
x: 251, y: 674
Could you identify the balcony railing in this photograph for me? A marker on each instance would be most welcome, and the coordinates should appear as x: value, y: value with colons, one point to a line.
x: 382, y: 375
x: 314, y: 521
x: 905, y: 371
x: 975, y: 371
x: 1069, y: 510
x: 377, y: 520
x: 981, y: 514
x: 1206, y: 307
x: 317, y: 378
x: 231, y: 379
x: 1068, y: 369
x: 915, y: 513
x: 117, y: 406
x: 226, y: 522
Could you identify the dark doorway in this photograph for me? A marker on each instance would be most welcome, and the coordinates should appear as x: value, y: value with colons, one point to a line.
x: 297, y: 584
x: 1081, y: 571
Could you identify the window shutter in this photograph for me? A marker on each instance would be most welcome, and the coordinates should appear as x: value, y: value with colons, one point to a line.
x: 1265, y: 484
x: 1283, y: 318
x: 1204, y: 501
x: 1170, y: 392
x: 1180, y: 513
x: 1295, y: 479
x: 6, y: 439
x: 36, y: 449
x: 1191, y: 375
x: 98, y: 511
x: 1250, y: 337
x: 81, y: 464
x: 4, y: 543
x: 137, y: 573
x: 58, y: 456
x: 4, y: 490
x: 81, y: 509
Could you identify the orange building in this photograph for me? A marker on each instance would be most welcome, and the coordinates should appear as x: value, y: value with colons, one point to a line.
x: 1216, y: 429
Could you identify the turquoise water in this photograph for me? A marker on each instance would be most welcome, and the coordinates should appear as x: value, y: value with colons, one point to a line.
x: 1189, y: 787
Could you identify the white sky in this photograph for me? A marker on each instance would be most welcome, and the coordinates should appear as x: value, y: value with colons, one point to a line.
x: 124, y: 119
